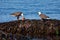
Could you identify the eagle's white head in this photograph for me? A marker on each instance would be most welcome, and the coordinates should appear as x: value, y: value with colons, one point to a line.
x: 22, y: 14
x: 39, y: 13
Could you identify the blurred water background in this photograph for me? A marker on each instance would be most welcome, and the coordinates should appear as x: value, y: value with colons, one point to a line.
x: 29, y: 8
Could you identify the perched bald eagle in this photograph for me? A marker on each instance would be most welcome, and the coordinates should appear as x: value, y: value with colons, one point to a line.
x: 43, y: 16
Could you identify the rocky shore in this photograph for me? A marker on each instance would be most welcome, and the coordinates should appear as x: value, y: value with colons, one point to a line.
x: 28, y: 29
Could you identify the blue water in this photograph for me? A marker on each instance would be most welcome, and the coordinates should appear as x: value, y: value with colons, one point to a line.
x: 29, y: 8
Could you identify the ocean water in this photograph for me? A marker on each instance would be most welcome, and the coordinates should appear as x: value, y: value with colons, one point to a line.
x: 30, y: 8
